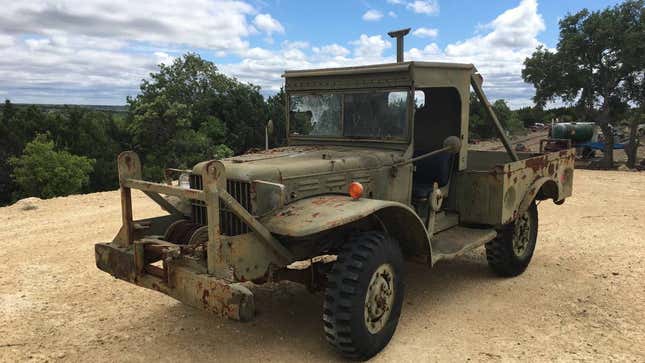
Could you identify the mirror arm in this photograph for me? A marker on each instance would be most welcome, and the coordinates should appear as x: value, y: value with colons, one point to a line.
x: 420, y: 157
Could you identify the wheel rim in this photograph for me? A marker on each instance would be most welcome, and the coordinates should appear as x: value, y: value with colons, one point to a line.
x: 379, y: 299
x: 522, y: 234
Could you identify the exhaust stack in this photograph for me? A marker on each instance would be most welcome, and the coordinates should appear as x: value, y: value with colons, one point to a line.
x: 399, y: 34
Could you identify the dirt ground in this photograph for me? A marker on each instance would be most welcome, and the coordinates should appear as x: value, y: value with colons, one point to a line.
x: 582, y: 297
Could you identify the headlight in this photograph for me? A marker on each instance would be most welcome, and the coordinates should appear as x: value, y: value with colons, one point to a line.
x: 268, y: 196
x: 184, y: 181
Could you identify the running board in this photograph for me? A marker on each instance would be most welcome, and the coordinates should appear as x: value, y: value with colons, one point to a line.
x: 458, y: 240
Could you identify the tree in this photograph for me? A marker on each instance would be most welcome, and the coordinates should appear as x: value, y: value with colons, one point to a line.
x: 89, y: 133
x: 480, y: 124
x: 276, y: 111
x: 6, y: 186
x: 598, y: 64
x: 43, y: 172
x: 189, y: 112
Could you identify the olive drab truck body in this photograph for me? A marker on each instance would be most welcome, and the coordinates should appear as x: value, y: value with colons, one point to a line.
x: 398, y: 134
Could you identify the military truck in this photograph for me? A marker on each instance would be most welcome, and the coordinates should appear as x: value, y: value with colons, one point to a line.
x: 377, y: 171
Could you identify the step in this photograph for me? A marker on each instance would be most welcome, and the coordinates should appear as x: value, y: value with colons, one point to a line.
x: 458, y: 240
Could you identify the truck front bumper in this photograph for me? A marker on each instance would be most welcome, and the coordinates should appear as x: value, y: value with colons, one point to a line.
x: 181, y: 280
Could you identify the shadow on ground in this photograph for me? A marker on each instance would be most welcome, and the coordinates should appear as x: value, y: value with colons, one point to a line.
x: 289, y: 317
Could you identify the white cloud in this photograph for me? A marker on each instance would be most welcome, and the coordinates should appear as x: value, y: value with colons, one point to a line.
x: 331, y: 50
x: 395, y: 2
x: 429, y: 52
x: 429, y: 7
x: 266, y: 71
x: 500, y: 53
x: 391, y: 14
x: 515, y: 30
x: 164, y: 58
x: 498, y: 58
x: 426, y: 32
x: 370, y: 47
x: 216, y: 24
x: 298, y: 44
x: 257, y: 53
x: 6, y: 41
x: 97, y: 52
x: 372, y: 15
x: 267, y: 24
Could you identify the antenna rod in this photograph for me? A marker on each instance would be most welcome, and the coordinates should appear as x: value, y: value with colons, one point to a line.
x: 399, y: 34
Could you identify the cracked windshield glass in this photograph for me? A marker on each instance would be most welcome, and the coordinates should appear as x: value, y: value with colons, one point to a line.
x: 381, y: 114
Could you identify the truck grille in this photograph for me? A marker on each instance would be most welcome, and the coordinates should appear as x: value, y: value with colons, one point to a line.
x: 230, y: 224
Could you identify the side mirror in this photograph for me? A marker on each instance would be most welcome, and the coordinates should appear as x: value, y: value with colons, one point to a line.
x: 452, y: 143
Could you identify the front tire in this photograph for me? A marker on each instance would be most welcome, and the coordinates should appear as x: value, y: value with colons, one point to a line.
x: 364, y: 295
x: 510, y: 253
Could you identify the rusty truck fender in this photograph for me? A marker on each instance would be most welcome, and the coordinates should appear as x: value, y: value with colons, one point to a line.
x: 313, y: 215
x: 542, y: 188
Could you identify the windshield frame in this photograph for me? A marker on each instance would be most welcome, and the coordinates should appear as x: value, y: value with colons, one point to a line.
x: 404, y: 139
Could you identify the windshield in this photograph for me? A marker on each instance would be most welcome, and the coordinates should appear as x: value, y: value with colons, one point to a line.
x: 379, y: 114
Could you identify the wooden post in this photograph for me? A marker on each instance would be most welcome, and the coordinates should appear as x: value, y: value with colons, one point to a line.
x: 126, y: 214
x: 214, y: 179
x: 129, y: 167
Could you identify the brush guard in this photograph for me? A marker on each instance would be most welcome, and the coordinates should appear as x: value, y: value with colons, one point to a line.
x: 211, y: 286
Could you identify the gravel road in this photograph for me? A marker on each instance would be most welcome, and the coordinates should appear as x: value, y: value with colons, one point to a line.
x: 582, y: 297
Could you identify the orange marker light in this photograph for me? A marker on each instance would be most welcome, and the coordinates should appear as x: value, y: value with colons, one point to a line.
x: 355, y: 190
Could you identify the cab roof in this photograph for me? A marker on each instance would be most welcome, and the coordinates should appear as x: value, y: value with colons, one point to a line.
x: 375, y: 68
x: 388, y: 75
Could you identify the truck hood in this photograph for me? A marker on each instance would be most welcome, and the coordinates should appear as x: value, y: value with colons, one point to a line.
x: 275, y: 165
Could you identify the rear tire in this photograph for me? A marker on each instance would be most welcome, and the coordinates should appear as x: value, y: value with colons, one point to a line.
x: 364, y: 295
x: 511, y: 251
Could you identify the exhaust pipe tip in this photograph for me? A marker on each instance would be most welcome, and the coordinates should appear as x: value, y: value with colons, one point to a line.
x: 399, y: 34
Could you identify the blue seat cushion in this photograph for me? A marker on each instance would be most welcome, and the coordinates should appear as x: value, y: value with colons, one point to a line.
x: 432, y: 169
x: 421, y: 191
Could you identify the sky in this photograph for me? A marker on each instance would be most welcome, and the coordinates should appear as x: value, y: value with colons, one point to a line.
x: 98, y: 51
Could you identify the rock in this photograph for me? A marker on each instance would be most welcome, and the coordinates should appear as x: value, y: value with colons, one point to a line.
x: 60, y: 355
x: 30, y: 203
x: 623, y: 167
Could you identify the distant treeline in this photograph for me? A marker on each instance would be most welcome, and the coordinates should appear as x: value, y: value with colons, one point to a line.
x: 55, y: 107
x: 185, y: 113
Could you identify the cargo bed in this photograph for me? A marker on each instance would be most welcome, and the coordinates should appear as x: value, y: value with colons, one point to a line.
x: 491, y: 190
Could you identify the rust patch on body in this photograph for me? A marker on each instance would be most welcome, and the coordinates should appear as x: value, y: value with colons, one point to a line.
x: 286, y: 213
x: 205, y: 295
x: 536, y: 164
x: 551, y: 169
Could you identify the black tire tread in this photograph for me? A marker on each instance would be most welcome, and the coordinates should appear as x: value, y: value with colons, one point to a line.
x: 499, y: 252
x: 342, y: 289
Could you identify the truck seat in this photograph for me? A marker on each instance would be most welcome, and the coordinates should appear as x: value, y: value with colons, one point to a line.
x: 429, y: 170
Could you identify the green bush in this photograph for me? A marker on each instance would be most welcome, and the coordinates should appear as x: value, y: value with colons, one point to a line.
x: 188, y: 112
x: 45, y: 172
